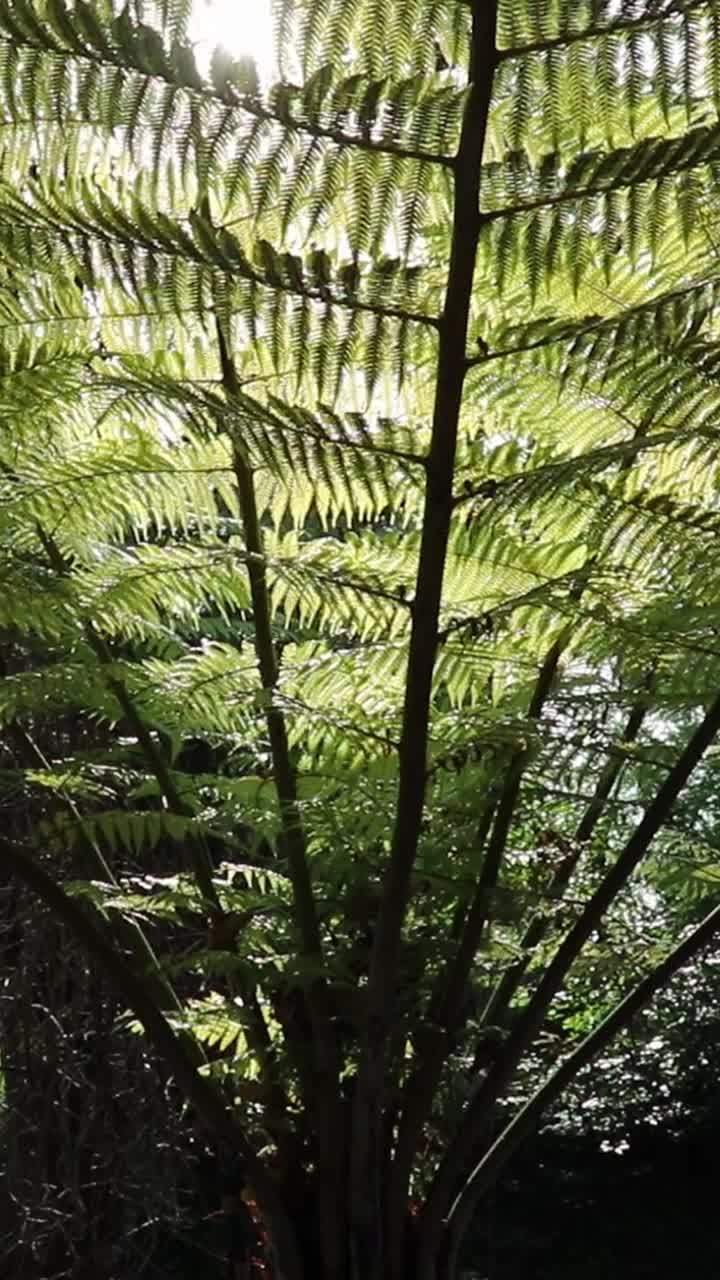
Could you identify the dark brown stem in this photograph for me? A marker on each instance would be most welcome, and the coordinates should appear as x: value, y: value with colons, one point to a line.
x: 536, y: 930
x: 198, y: 853
x: 366, y: 1164
x: 325, y: 1099
x: 447, y: 1002
x: 293, y: 835
x: 523, y: 1124
x: 461, y: 1148
x: 154, y: 758
x: 430, y: 1047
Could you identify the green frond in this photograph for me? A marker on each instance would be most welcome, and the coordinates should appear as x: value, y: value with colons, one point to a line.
x: 121, y: 829
x: 225, y: 348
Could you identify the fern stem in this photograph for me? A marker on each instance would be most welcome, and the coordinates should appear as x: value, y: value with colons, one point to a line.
x: 596, y: 459
x: 366, y: 1166
x: 283, y: 771
x: 199, y: 855
x: 644, y: 23
x: 460, y: 1150
x: 571, y: 333
x: 99, y: 232
x: 325, y: 1099
x: 619, y: 181
x: 358, y: 142
x: 526, y: 1120
x: 536, y: 930
x: 430, y: 1052
x: 480, y: 909
x: 446, y: 1004
x: 247, y: 104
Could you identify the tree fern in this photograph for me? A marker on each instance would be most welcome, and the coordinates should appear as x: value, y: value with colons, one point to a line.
x: 361, y: 427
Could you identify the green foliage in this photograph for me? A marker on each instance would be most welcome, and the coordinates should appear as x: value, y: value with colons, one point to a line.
x: 204, y: 279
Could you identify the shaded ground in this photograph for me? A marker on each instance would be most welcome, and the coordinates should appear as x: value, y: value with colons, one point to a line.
x: 570, y: 1212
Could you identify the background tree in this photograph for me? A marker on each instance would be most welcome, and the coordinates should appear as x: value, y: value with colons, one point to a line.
x: 359, y: 481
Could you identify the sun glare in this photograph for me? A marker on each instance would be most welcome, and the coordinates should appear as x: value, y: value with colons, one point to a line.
x: 243, y: 27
